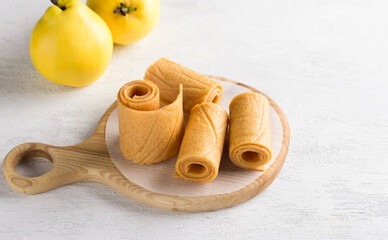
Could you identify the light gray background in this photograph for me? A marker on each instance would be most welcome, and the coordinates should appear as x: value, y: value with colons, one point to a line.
x: 324, y: 62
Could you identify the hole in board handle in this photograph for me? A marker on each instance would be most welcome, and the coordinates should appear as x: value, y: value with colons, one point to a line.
x: 34, y: 164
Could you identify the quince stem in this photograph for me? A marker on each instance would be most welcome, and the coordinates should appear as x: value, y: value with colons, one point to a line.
x: 123, y: 9
x: 55, y: 2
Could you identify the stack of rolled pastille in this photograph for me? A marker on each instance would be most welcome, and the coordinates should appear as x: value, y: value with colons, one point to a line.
x: 149, y: 134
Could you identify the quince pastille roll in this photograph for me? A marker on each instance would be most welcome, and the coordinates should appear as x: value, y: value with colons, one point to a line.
x: 250, y: 144
x: 148, y: 134
x: 197, y: 88
x: 200, y: 154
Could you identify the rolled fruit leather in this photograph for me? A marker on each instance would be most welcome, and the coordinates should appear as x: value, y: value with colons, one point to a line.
x: 148, y: 134
x: 197, y: 88
x: 201, y: 150
x: 250, y: 143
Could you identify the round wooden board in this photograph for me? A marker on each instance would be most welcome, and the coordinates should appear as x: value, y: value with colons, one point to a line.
x: 90, y: 161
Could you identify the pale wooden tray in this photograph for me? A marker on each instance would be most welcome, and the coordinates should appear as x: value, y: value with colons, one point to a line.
x: 91, y: 161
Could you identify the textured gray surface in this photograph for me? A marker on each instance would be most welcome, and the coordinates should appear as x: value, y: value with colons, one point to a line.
x: 324, y: 62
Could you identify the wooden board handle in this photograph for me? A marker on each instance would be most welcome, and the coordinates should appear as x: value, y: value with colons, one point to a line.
x: 60, y: 174
x: 87, y: 161
x: 70, y: 164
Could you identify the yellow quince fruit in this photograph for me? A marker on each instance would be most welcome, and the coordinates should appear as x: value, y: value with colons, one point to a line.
x: 71, y: 45
x: 128, y: 20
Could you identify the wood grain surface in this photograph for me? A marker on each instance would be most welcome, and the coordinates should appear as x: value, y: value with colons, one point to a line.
x: 90, y: 161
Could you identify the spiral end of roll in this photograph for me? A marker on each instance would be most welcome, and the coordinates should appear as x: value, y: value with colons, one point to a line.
x: 196, y: 170
x: 139, y: 95
x: 251, y: 157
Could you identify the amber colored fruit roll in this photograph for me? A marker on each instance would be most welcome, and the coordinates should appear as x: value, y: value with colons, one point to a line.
x: 250, y: 144
x: 148, y: 134
x: 197, y: 88
x: 201, y: 150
